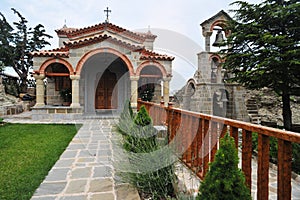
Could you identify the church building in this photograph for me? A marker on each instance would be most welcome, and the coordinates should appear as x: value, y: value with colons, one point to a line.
x: 96, y: 68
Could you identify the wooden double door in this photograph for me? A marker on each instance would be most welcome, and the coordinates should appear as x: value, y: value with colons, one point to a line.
x: 106, y: 93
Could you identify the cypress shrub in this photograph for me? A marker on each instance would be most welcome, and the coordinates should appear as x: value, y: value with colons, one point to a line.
x: 139, y: 138
x: 224, y: 180
x: 126, y: 119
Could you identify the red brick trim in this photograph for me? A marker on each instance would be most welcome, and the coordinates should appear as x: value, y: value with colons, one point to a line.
x: 152, y: 63
x: 104, y: 50
x: 55, y: 60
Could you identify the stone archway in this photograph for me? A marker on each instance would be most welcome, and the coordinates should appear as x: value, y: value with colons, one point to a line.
x: 189, y: 92
x: 104, y: 83
x: 149, y: 85
x: 59, y: 85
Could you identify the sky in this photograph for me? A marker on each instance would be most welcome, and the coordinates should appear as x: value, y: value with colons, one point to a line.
x: 176, y: 22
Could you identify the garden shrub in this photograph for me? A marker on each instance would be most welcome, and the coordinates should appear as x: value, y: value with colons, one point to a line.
x: 139, y: 137
x: 224, y: 180
x: 126, y: 119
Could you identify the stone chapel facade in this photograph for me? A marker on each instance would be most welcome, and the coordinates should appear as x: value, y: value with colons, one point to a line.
x: 207, y: 92
x: 100, y: 66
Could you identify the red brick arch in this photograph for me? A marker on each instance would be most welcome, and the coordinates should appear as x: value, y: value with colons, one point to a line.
x: 55, y: 60
x: 222, y: 24
x: 217, y: 56
x: 152, y: 63
x: 104, y: 50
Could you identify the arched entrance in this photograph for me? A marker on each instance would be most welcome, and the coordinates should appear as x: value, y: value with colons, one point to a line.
x: 104, y: 83
x: 149, y: 86
x: 59, y: 85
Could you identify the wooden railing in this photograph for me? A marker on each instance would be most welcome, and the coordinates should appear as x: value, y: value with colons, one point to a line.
x: 195, y: 137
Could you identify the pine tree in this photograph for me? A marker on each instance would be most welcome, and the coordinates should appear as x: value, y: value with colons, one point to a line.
x: 263, y: 48
x: 224, y: 180
x: 16, y: 44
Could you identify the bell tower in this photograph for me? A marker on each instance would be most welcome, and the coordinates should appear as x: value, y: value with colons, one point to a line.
x: 209, y: 62
x: 208, y: 92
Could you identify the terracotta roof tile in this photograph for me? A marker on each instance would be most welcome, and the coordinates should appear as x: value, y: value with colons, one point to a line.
x: 59, y: 52
x: 91, y: 40
x: 150, y: 55
x: 74, y: 32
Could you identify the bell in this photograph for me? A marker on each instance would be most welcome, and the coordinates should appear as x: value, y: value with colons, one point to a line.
x: 219, y: 39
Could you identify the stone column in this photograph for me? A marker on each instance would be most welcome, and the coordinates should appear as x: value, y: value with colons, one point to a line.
x: 207, y: 41
x: 75, y: 91
x: 166, y: 88
x: 186, y: 102
x: 134, y: 91
x: 219, y: 74
x: 40, y: 90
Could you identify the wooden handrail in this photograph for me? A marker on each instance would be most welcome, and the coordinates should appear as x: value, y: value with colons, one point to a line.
x: 195, y: 136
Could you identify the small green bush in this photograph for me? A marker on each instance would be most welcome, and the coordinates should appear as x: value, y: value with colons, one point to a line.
x: 139, y: 138
x: 126, y: 119
x: 142, y: 118
x: 224, y: 180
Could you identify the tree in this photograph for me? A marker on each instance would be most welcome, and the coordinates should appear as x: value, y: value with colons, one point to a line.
x: 263, y: 48
x: 224, y: 180
x: 16, y: 44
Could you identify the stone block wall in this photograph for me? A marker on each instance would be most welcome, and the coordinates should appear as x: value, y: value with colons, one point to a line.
x: 202, y: 100
x: 52, y: 96
x: 240, y: 109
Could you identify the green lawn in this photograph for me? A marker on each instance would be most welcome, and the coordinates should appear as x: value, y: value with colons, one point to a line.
x: 27, y: 153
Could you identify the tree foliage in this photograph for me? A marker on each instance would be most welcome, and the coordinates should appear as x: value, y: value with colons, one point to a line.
x: 263, y: 48
x: 224, y: 180
x: 16, y: 44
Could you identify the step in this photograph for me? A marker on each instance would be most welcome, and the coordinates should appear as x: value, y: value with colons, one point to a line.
x: 252, y: 112
x: 250, y: 101
x: 251, y: 107
x: 255, y: 116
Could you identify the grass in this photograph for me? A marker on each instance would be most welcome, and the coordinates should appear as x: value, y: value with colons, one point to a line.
x: 27, y: 153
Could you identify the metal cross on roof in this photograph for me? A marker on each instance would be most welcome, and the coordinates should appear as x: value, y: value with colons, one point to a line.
x: 107, y: 14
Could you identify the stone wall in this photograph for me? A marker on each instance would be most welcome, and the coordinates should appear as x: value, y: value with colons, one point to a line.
x: 52, y: 96
x: 203, y: 100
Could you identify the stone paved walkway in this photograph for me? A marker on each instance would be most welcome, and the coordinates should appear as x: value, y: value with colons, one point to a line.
x: 85, y: 170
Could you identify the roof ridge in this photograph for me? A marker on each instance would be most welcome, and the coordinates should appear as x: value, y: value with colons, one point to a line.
x: 82, y: 42
x: 73, y: 32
